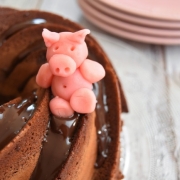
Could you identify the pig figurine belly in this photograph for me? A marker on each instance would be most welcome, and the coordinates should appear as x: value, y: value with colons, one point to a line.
x: 65, y: 86
x: 69, y: 73
x: 74, y: 91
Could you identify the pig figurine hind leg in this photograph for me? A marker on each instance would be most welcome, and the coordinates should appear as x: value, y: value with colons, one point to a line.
x: 83, y: 100
x: 60, y: 107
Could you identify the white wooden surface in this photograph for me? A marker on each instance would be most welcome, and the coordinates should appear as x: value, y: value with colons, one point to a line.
x: 150, y: 75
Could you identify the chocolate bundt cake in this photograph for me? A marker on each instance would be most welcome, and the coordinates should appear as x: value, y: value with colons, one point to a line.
x: 34, y: 144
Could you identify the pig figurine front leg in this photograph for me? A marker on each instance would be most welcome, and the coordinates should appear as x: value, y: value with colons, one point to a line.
x: 92, y: 71
x: 44, y: 76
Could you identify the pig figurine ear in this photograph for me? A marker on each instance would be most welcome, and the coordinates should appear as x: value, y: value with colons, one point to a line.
x: 80, y: 36
x: 50, y: 37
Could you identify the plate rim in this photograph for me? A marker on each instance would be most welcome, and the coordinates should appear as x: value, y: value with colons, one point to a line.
x: 129, y: 35
x: 133, y: 18
x: 139, y: 12
x: 133, y: 27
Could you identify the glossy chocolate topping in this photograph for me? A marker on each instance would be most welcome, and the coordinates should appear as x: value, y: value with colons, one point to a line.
x: 102, y: 125
x: 57, y: 141
x: 18, y: 27
x: 14, y: 116
x: 56, y: 145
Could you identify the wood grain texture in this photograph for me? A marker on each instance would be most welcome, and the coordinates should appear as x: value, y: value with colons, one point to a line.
x: 172, y: 54
x: 172, y: 59
x: 20, y: 4
x: 149, y: 127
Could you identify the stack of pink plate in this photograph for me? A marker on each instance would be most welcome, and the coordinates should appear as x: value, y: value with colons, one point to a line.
x: 150, y: 21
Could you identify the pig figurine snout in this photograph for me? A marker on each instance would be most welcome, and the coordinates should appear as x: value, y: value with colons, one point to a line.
x: 62, y: 65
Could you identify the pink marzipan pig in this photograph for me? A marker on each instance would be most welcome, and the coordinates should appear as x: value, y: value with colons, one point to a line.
x: 69, y: 73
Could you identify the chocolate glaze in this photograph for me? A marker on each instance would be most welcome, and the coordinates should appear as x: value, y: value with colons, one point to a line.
x: 57, y: 141
x: 56, y: 145
x: 14, y: 116
x: 18, y: 27
x: 36, y: 46
x: 102, y: 126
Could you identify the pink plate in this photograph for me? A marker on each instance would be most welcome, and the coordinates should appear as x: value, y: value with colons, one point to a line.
x: 157, y: 9
x: 127, y: 34
x: 128, y: 26
x: 118, y: 14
